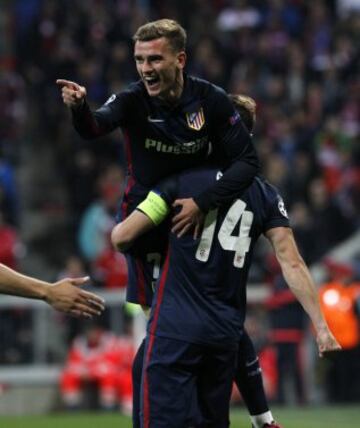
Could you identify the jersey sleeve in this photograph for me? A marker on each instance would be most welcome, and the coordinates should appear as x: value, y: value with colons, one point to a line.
x: 115, y: 112
x: 168, y: 189
x: 237, y: 148
x: 276, y: 213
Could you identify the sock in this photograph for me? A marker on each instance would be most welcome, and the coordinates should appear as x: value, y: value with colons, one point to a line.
x: 248, y: 378
x: 136, y: 381
x: 259, y: 420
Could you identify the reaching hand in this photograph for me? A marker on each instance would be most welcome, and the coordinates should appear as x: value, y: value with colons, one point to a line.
x: 66, y: 296
x: 189, y: 216
x: 73, y: 94
x: 326, y: 342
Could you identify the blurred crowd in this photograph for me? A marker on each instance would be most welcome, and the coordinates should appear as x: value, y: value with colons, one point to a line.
x: 298, y: 59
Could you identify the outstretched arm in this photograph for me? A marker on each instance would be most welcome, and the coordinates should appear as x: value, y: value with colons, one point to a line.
x: 64, y: 295
x: 87, y: 123
x: 299, y: 279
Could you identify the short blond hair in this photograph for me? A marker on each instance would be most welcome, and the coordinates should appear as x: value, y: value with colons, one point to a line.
x: 246, y: 106
x: 168, y: 28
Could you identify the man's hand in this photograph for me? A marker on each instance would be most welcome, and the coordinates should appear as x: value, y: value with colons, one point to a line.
x: 73, y: 94
x: 189, y: 217
x: 66, y: 296
x: 326, y: 342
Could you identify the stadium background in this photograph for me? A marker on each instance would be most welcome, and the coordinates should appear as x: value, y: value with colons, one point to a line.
x: 58, y: 194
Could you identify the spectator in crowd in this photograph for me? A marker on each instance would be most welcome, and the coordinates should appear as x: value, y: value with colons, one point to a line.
x: 287, y: 330
x: 10, y: 243
x: 98, y: 218
x: 340, y: 302
x: 110, y: 269
x: 98, y: 358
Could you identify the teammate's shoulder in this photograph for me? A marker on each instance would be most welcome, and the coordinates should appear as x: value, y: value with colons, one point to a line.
x: 271, y: 195
x: 264, y: 185
x: 261, y: 188
x: 204, y: 87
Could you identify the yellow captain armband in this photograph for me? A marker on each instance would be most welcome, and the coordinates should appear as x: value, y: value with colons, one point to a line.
x: 154, y: 207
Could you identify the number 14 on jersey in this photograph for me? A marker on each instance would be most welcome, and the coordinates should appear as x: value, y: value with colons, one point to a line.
x: 240, y: 242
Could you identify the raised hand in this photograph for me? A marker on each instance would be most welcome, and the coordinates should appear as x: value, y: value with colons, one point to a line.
x: 67, y: 296
x: 72, y: 93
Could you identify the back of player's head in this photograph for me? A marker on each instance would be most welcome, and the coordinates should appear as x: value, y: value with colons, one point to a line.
x: 168, y: 28
x: 246, y: 107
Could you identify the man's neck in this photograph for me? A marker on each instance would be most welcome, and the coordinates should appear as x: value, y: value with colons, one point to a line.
x: 174, y: 94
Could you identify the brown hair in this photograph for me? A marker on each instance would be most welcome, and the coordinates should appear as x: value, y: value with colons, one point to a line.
x: 246, y: 107
x: 167, y: 28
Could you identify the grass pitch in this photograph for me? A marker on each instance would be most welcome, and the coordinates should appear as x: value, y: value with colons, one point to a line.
x: 319, y: 417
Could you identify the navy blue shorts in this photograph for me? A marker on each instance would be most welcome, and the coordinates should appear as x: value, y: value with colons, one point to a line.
x: 175, y: 371
x: 144, y: 260
x: 146, y: 256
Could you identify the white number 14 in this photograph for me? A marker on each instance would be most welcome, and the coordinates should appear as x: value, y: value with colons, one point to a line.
x: 239, y: 243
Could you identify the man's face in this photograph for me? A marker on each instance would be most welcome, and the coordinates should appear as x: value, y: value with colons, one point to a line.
x: 160, y: 68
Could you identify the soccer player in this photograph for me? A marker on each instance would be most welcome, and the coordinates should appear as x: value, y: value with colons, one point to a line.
x: 171, y: 122
x: 203, y: 285
x: 64, y: 295
x: 248, y: 377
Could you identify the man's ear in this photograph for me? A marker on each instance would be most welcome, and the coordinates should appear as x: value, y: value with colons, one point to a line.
x: 181, y: 59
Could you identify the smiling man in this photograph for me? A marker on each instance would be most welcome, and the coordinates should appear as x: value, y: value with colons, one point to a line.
x: 160, y: 65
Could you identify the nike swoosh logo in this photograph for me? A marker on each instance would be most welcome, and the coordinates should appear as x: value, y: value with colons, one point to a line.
x: 152, y: 120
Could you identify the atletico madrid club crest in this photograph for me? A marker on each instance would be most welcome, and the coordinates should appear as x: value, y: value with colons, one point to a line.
x: 196, y: 120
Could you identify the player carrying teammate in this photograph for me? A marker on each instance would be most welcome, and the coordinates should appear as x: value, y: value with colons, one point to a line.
x: 257, y: 419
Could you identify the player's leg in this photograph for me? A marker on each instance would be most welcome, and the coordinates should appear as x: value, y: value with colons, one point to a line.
x: 144, y: 263
x: 249, y: 381
x: 214, y: 386
x: 142, y: 268
x: 136, y: 380
x: 168, y: 382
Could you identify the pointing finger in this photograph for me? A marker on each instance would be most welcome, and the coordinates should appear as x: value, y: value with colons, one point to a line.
x: 68, y: 84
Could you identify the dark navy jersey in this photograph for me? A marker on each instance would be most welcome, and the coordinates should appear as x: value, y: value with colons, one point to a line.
x: 163, y: 139
x: 201, y: 294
